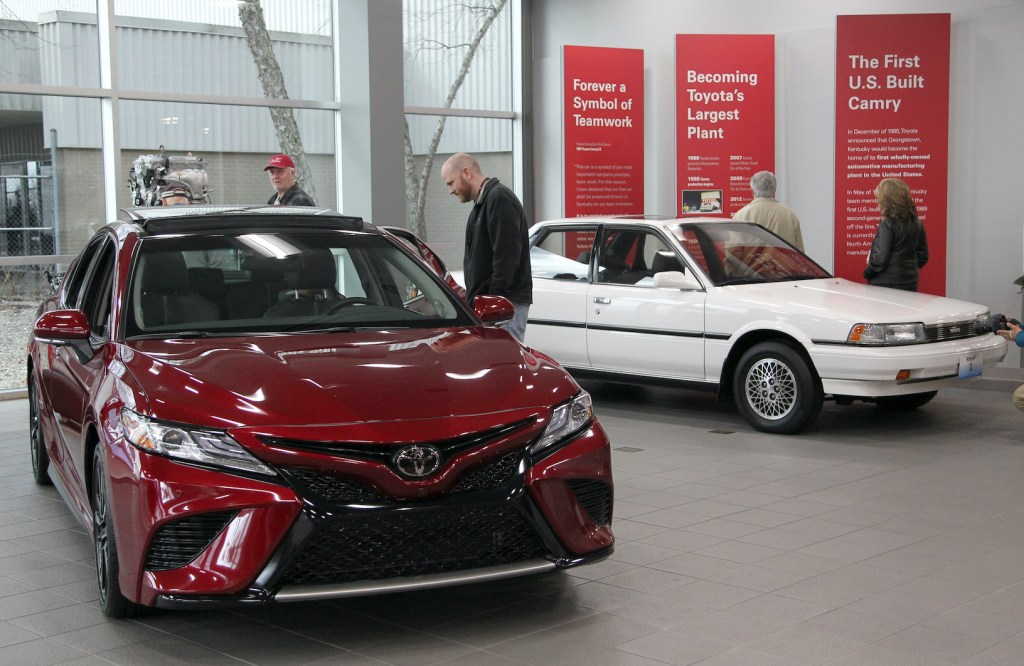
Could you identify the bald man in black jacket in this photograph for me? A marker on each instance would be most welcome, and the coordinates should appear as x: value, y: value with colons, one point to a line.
x: 497, y: 254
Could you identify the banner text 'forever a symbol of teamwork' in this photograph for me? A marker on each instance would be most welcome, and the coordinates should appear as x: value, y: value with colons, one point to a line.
x: 725, y: 119
x: 603, y: 131
x: 892, y: 121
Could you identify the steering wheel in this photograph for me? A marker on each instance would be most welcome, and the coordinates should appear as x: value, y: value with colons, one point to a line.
x: 345, y: 302
x: 764, y: 264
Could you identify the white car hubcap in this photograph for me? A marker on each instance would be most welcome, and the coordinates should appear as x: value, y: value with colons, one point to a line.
x: 771, y: 389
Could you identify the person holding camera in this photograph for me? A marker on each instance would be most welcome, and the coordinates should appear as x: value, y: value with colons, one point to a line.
x: 1013, y: 332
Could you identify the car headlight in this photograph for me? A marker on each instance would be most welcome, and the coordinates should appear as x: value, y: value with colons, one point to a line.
x: 207, y: 447
x: 567, y: 419
x: 887, y: 334
x: 983, y: 323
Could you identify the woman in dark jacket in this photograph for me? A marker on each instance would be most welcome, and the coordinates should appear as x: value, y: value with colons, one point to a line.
x: 900, y: 247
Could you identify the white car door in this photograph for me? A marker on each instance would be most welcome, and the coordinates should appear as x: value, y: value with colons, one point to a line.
x: 635, y: 328
x: 560, y: 263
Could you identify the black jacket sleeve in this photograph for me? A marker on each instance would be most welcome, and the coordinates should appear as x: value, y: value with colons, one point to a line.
x: 922, y: 246
x: 881, y: 250
x: 506, y: 243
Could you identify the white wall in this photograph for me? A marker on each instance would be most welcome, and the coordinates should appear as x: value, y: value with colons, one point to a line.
x: 985, y: 228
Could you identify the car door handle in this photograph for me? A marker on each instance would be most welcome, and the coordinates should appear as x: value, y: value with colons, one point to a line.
x: 602, y: 300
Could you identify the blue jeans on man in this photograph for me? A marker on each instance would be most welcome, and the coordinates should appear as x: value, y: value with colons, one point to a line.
x: 517, y: 325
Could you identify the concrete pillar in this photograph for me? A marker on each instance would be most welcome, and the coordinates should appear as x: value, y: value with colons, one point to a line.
x: 370, y: 82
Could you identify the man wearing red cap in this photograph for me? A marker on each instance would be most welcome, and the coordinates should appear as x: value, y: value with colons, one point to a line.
x: 286, y: 191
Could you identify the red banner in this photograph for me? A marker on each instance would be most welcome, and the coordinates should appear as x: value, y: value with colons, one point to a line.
x: 892, y: 121
x: 725, y: 119
x: 604, y: 131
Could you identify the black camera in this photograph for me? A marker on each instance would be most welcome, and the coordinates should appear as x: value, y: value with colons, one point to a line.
x: 1000, y: 322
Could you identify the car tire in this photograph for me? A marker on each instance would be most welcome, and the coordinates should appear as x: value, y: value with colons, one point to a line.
x: 776, y: 390
x: 901, y: 403
x: 112, y: 602
x: 37, y: 447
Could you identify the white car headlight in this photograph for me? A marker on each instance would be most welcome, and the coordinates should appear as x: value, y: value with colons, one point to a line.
x: 200, y: 446
x: 887, y: 334
x: 567, y: 419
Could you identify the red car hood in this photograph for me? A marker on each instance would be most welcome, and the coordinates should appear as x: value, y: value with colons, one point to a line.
x: 346, y: 379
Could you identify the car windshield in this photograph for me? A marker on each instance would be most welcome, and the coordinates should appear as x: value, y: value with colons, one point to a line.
x: 282, y: 281
x: 744, y: 253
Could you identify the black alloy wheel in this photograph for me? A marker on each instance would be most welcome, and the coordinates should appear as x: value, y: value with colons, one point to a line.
x: 112, y: 601
x: 37, y: 448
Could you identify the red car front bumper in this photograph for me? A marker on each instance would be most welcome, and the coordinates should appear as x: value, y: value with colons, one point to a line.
x: 188, y: 536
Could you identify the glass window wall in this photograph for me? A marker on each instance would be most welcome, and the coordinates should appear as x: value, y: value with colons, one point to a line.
x: 272, y: 48
x: 220, y: 150
x: 190, y: 86
x: 52, y: 203
x: 461, y: 96
x: 436, y: 216
x: 458, y: 54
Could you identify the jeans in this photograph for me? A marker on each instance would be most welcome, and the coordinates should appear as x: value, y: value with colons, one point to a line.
x: 517, y: 325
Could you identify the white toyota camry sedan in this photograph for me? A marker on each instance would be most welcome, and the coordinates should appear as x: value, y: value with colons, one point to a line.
x: 730, y: 306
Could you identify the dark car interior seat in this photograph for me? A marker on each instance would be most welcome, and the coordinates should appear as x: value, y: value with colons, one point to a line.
x: 310, y: 285
x: 613, y: 264
x: 250, y: 298
x: 165, y: 297
x: 617, y: 263
x: 209, y: 283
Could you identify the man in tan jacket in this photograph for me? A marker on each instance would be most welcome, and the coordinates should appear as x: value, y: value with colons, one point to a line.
x: 769, y: 213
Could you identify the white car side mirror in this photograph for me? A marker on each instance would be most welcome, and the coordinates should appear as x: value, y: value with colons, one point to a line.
x: 676, y: 280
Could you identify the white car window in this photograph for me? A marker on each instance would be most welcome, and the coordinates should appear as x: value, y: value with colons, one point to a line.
x: 563, y: 254
x: 628, y: 257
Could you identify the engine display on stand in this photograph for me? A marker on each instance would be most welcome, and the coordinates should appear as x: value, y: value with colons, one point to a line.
x: 151, y: 174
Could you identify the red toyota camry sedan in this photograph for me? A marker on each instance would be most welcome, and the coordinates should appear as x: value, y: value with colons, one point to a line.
x: 283, y: 404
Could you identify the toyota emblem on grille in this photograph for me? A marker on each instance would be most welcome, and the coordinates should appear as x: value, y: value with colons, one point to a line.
x: 417, y: 460
x: 953, y: 330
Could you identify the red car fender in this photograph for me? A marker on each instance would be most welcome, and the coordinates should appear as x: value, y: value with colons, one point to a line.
x: 587, y: 456
x: 148, y: 491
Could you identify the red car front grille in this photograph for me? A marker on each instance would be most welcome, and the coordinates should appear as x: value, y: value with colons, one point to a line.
x: 389, y: 544
x: 332, y: 488
x: 496, y: 474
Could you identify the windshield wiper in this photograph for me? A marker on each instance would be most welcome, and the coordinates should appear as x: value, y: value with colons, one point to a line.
x: 806, y: 276
x: 176, y: 334
x: 190, y: 335
x: 735, y: 281
x: 325, y: 329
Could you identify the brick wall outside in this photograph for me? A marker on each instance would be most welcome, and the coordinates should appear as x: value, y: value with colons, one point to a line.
x: 79, y: 197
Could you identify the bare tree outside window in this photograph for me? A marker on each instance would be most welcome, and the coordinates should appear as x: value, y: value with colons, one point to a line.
x: 250, y: 13
x: 416, y: 182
